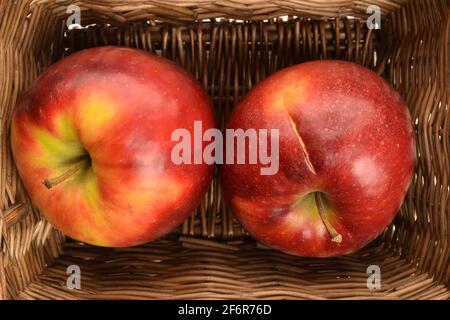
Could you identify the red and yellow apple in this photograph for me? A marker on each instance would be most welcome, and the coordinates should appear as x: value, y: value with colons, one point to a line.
x: 346, y: 158
x: 92, y: 143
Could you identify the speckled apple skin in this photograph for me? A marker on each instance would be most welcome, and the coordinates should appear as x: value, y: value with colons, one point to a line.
x: 120, y: 105
x: 358, y: 136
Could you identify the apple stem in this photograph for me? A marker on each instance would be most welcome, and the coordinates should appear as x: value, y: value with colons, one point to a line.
x: 335, y: 236
x: 50, y: 183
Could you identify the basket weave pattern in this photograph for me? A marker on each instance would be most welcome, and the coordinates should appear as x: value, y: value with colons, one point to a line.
x: 211, y: 256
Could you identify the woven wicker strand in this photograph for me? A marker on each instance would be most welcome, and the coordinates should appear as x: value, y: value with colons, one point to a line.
x: 210, y: 255
x: 184, y: 11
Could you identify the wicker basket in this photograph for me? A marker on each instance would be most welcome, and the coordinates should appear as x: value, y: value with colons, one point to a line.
x: 210, y: 255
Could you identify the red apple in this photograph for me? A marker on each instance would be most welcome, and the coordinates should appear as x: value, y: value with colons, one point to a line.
x: 96, y: 129
x: 346, y: 157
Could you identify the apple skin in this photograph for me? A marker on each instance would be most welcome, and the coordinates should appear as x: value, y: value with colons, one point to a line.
x: 358, y: 135
x: 119, y: 106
